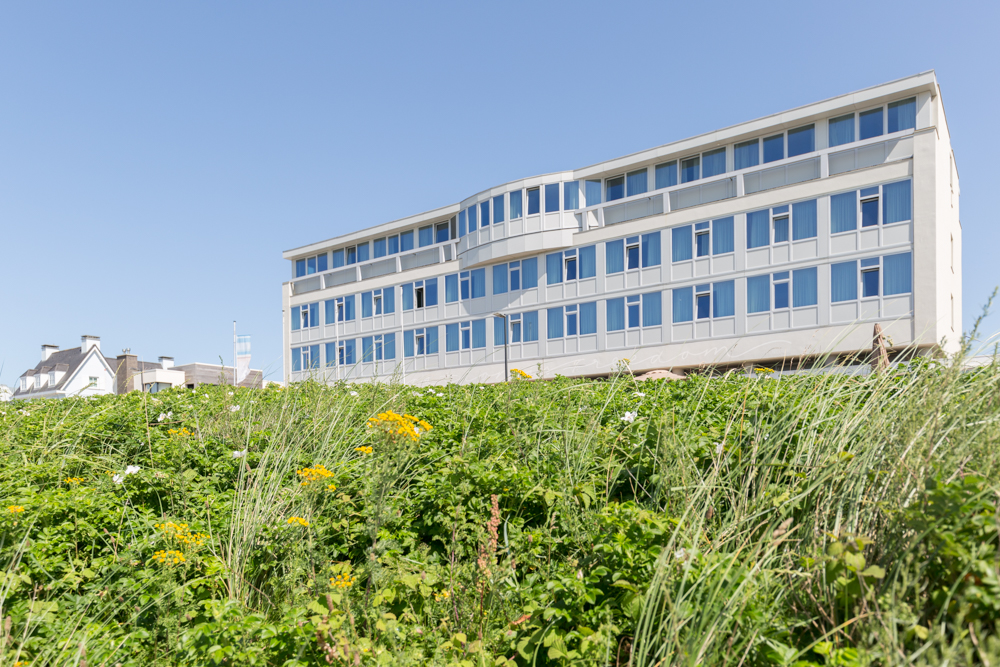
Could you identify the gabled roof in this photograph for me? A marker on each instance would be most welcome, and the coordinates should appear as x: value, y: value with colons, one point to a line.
x: 68, y: 361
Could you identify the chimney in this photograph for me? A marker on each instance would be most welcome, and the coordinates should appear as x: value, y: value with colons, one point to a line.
x: 166, y: 362
x: 48, y: 351
x: 87, y: 342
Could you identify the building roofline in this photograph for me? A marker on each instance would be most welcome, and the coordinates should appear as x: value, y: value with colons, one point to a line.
x: 925, y: 79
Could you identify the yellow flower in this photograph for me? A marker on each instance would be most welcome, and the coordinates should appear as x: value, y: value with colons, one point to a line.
x: 763, y: 370
x: 443, y: 595
x: 518, y: 374
x: 183, y: 432
x: 179, y: 532
x: 15, y: 509
x: 299, y: 520
x: 74, y: 480
x: 399, y: 425
x: 331, y: 487
x: 313, y: 474
x: 342, y: 581
x: 170, y: 557
x: 364, y: 450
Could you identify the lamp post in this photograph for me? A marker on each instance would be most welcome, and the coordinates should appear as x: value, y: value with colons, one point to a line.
x: 506, y: 373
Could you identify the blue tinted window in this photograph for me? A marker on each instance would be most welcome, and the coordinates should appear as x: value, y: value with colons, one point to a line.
x: 804, y: 287
x: 300, y: 268
x: 615, y: 314
x: 393, y: 245
x: 310, y: 265
x: 636, y: 182
x: 703, y: 302
x: 651, y: 249
x: 484, y: 213
x: 614, y: 256
x: 555, y: 322
x: 451, y: 337
x: 362, y: 252
x: 534, y: 201
x: 690, y: 169
x: 701, y: 241
x: 551, y: 197
x: 713, y: 163
x: 451, y: 288
x: 844, y: 281
x: 680, y: 243
x: 804, y: 220
x: 652, y: 309
x: 515, y: 205
x: 898, y: 274
x: 406, y: 241
x: 841, y: 130
x: 844, y: 212
x: 571, y: 195
x: 431, y: 291
x: 870, y: 123
x: 759, y: 294
x: 758, y: 234
x: 441, y: 233
x: 321, y: 263
x: 296, y: 320
x: 478, y: 283
x: 666, y: 174
x: 498, y: 209
x: 780, y: 230
x: 774, y: 148
x: 724, y: 299
x: 896, y: 202
x: 781, y: 295
x: 379, y: 247
x: 338, y: 258
x: 746, y: 154
x: 869, y: 283
x: 500, y: 279
x: 593, y: 192
x: 588, y: 261
x: 903, y: 115
x: 869, y: 213
x: 614, y: 188
x: 682, y: 304
x: 588, y: 318
x: 801, y: 140
x: 529, y: 273
x: 352, y: 255
x: 723, y: 236
x: 553, y: 268
x: 473, y: 218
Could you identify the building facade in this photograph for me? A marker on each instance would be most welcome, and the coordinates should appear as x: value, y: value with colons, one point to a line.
x: 783, y: 238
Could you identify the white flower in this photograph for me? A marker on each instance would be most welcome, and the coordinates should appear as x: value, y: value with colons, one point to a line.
x: 161, y: 417
x: 24, y: 412
x: 230, y: 393
x: 639, y: 394
x: 440, y: 395
x: 234, y: 408
x: 238, y: 454
x: 718, y: 448
x: 118, y: 479
x: 681, y: 554
x: 354, y: 393
x: 430, y: 391
x: 131, y: 470
x: 630, y: 417
x: 169, y: 415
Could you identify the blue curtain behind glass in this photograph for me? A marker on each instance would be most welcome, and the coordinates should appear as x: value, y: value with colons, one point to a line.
x: 553, y: 268
x: 366, y: 304
x: 898, y: 274
x: 408, y: 343
x: 497, y: 209
x: 870, y: 123
x: 571, y: 195
x: 841, y: 130
x: 484, y: 213
x: 588, y: 261
x: 407, y: 296
x: 515, y: 204
x: 534, y: 201
x: 473, y: 218
x: 330, y: 311
x: 804, y: 287
x: 478, y: 333
x: 615, y: 313
x: 431, y: 291
x: 432, y: 340
x: 713, y: 163
x: 896, y: 202
x: 349, y: 307
x: 451, y: 288
x: 551, y: 197
x: 389, y: 346
x: 724, y: 299
x: 652, y: 309
x: 498, y: 331
x: 903, y: 115
x: 844, y: 281
x: 723, y: 239
x: 746, y: 154
x: 529, y: 324
x: 614, y: 188
x: 451, y: 337
x: 681, y: 243
x: 529, y: 273
x: 801, y: 140
x: 636, y: 182
x: 406, y: 241
x: 759, y: 294
x: 368, y: 349
x: 463, y: 226
x: 614, y: 256
x: 296, y: 320
x: 683, y: 304
x: 588, y: 318
x: 666, y: 175
x: 555, y: 323
x: 774, y: 148
x: 338, y: 258
x: 363, y: 252
x: 804, y: 220
x: 388, y: 300
x: 844, y: 212
x: 651, y: 249
x: 296, y: 359
x: 426, y: 238
x: 331, y: 354
x: 593, y: 193
x: 500, y: 279
x: 379, y: 248
x: 758, y: 229
x: 478, y: 277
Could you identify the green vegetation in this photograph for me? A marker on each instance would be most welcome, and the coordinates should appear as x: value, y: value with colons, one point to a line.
x: 808, y: 520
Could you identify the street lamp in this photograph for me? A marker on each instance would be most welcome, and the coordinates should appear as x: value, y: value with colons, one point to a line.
x: 506, y: 373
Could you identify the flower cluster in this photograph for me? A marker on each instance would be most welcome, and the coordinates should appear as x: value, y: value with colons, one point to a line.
x: 130, y: 470
x: 15, y: 509
x: 180, y: 533
x: 364, y: 449
x: 443, y: 595
x: 299, y: 520
x: 182, y: 432
x: 763, y: 370
x: 74, y: 480
x: 630, y: 416
x: 342, y: 581
x: 331, y: 487
x: 170, y: 557
x: 315, y: 474
x: 395, y: 424
x: 518, y: 374
x: 164, y: 415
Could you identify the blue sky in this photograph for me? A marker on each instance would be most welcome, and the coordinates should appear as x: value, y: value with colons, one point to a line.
x: 156, y: 158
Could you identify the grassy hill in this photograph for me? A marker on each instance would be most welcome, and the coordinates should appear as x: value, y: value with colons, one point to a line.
x: 827, y: 520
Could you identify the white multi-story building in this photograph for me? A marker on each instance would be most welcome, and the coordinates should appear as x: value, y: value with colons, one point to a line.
x: 776, y: 241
